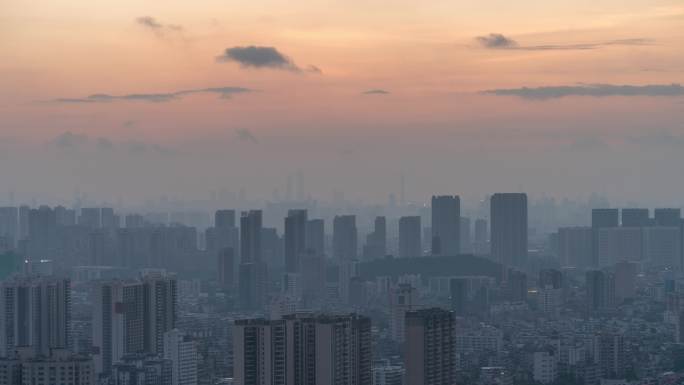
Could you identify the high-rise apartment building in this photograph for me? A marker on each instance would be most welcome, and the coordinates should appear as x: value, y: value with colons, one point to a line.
x: 295, y: 239
x: 36, y: 314
x: 429, y: 357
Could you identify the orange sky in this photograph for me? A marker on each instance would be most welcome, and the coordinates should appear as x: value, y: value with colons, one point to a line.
x: 424, y: 54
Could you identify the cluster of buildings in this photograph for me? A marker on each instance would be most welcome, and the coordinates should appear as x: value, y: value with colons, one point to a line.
x: 427, y: 297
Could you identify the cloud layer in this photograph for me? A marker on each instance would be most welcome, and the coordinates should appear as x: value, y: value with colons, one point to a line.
x: 263, y: 57
x: 500, y: 41
x: 595, y: 90
x: 223, y: 92
x: 160, y: 29
x: 375, y: 91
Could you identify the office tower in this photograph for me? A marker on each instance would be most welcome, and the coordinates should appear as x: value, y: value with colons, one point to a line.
x: 295, y: 239
x: 409, y: 237
x: 446, y: 220
x: 376, y: 241
x: 508, y: 213
x: 24, y: 221
x: 601, y: 218
x: 42, y: 233
x: 260, y: 352
x: 90, y: 217
x: 575, y: 247
x: 611, y: 354
x: 635, y: 217
x: 224, y: 219
x: 9, y: 224
x: 142, y: 369
x: 429, y: 357
x: 250, y: 236
x: 600, y: 287
x: 481, y: 244
x: 402, y: 301
x: 617, y: 244
x: 345, y: 238
x: 226, y: 268
x: 662, y: 247
x: 37, y: 314
x: 180, y: 349
x: 465, y: 236
x: 667, y: 217
x: 625, y: 281
x: 315, y: 236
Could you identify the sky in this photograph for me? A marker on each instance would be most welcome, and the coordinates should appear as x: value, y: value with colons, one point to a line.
x: 127, y: 100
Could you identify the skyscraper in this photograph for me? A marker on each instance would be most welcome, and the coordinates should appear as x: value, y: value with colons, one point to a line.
x: 36, y: 314
x: 250, y: 236
x: 252, y: 278
x: 376, y: 241
x: 345, y: 238
x: 315, y: 236
x: 295, y: 239
x: 509, y: 228
x: 409, y: 237
x: 446, y: 223
x: 481, y: 244
x: 429, y: 358
x: 224, y: 218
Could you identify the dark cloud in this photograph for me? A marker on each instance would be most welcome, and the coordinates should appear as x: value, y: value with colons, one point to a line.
x: 496, y: 40
x: 262, y: 57
x: 375, y: 91
x: 159, y: 29
x: 68, y: 140
x: 223, y: 92
x: 499, y: 41
x: 596, y: 90
x: 245, y: 135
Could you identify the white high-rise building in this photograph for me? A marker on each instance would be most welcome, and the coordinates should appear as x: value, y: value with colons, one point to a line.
x: 183, y: 355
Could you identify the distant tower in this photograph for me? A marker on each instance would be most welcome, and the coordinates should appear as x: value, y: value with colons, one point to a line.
x: 409, y: 237
x: 601, y: 218
x: 345, y: 237
x: 252, y: 275
x: 446, y: 223
x: 509, y: 228
x: 295, y: 239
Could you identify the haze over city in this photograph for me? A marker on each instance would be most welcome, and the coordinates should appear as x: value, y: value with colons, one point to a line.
x: 562, y: 99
